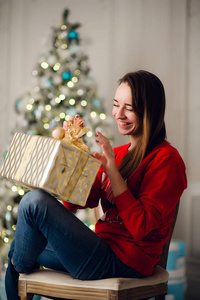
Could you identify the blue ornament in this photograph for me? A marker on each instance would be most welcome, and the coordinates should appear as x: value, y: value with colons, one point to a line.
x: 97, y: 103
x: 73, y: 35
x: 37, y: 114
x: 18, y: 102
x: 67, y: 76
x: 48, y: 82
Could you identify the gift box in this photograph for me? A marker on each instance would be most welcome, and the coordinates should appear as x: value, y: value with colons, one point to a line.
x: 52, y: 165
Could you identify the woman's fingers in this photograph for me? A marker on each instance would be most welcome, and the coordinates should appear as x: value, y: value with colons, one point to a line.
x: 71, y: 118
x: 101, y: 158
x: 65, y: 126
x: 101, y: 139
x: 77, y: 120
x: 97, y: 155
x: 104, y: 143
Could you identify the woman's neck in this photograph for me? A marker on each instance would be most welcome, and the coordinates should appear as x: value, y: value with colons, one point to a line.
x: 134, y: 140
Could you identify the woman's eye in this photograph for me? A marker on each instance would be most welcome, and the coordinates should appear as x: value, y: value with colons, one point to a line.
x: 129, y: 109
x: 115, y: 105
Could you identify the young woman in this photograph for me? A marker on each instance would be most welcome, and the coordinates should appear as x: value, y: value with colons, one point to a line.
x: 138, y: 184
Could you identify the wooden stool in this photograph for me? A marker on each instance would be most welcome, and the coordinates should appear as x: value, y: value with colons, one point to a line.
x: 52, y: 283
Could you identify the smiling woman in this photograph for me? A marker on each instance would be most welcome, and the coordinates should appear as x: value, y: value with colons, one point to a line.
x: 144, y: 92
x: 138, y: 184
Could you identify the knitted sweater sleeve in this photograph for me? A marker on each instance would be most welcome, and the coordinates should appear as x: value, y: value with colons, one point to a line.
x: 163, y: 181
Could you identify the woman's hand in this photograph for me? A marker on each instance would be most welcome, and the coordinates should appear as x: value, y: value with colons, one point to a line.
x: 107, y: 159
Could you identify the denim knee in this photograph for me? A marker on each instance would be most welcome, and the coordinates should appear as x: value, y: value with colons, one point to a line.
x: 32, y: 200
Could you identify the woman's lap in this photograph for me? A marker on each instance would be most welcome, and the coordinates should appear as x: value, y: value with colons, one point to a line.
x: 72, y: 246
x: 48, y: 234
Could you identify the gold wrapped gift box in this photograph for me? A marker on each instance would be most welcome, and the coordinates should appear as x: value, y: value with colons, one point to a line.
x: 52, y: 165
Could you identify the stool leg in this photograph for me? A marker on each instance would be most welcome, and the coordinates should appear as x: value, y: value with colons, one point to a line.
x: 27, y: 297
x: 22, y: 291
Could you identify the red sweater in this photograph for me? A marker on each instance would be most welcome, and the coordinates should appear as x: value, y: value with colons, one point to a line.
x: 136, y: 223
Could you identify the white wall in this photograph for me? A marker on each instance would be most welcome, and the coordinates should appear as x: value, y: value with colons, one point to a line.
x: 161, y: 36
x: 118, y: 36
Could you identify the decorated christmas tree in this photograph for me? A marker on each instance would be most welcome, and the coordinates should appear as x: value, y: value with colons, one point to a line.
x: 62, y: 87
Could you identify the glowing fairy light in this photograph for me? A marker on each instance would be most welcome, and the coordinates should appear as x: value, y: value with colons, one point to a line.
x: 63, y: 27
x: 29, y: 106
x: 44, y: 65
x: 89, y: 134
x: 57, y: 100
x: 21, y: 192
x: 48, y: 107
x: 77, y: 72
x: 64, y: 46
x: 84, y: 103
x: 35, y: 72
x: 57, y: 118
x: 70, y: 84
x: 9, y: 207
x: 46, y: 126
x: 74, y: 79
x: 102, y: 116
x: 80, y: 92
x: 6, y: 240
x: 93, y: 114
x: 14, y: 227
x: 56, y: 67
x: 62, y: 115
x: 72, y: 101
x: 14, y: 188
x: 67, y: 117
x: 62, y: 97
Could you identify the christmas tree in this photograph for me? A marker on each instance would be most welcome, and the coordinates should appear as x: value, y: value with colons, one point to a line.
x: 62, y: 87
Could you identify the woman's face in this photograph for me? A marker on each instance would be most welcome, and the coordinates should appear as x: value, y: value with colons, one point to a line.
x: 128, y: 122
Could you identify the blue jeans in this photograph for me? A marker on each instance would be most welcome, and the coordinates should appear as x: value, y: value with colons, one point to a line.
x: 48, y: 234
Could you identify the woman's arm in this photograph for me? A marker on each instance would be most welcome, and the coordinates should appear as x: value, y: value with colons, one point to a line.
x: 161, y: 184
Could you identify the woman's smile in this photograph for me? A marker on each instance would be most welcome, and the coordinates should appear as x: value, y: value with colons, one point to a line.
x: 128, y: 122
x: 123, y: 124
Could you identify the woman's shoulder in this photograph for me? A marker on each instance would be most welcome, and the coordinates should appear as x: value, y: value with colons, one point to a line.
x: 165, y: 149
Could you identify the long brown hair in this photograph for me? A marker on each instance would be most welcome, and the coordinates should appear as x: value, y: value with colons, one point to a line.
x: 148, y: 102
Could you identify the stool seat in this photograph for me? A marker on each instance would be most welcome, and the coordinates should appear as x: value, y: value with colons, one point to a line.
x: 63, y: 285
